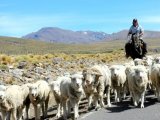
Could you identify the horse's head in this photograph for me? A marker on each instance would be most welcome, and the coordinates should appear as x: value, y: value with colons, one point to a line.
x: 135, y: 37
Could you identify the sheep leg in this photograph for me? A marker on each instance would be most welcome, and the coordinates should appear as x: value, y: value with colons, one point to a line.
x: 124, y: 91
x: 61, y: 109
x: 37, y: 112
x: 154, y: 88
x: 75, y: 108
x: 115, y: 95
x: 142, y: 100
x: 158, y: 94
x: 27, y: 109
x: 8, y: 116
x: 20, y: 113
x: 69, y: 108
x: 76, y: 114
x: 58, y: 111
x: 4, y: 115
x: 119, y: 95
x: 46, y: 106
x: 108, y: 97
x: 134, y: 99
x: 13, y: 114
x: 89, y: 102
x: 64, y: 109
x: 101, y: 99
x: 42, y: 106
x: 96, y: 102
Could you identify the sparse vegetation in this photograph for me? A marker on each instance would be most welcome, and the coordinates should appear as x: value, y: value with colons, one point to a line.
x: 14, y: 50
x: 17, y: 46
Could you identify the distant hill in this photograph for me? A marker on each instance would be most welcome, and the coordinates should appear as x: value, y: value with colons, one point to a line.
x: 122, y: 35
x: 53, y: 34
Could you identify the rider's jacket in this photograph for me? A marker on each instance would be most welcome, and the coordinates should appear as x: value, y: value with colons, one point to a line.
x: 135, y: 30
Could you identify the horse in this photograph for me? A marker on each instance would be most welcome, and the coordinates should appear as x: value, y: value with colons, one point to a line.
x: 136, y: 48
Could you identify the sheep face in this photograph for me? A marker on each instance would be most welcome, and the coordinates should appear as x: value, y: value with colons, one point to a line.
x: 157, y: 60
x: 138, y: 61
x: 114, y: 72
x: 114, y: 75
x: 140, y: 76
x: 33, y: 91
x: 55, y: 86
x: 76, y: 82
x: 90, y: 77
x: 2, y: 96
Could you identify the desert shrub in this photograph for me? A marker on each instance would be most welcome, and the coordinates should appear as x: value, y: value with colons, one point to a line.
x: 48, y: 56
x: 3, y: 67
x: 5, y: 59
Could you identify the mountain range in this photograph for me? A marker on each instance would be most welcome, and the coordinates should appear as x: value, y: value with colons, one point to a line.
x: 54, y: 34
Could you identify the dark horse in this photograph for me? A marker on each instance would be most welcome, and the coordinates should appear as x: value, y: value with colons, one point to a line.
x: 136, y: 48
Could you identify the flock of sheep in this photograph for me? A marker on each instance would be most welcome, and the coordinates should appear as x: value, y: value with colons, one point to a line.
x: 93, y: 83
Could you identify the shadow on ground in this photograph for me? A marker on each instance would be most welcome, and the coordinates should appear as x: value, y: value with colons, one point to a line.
x: 126, y: 104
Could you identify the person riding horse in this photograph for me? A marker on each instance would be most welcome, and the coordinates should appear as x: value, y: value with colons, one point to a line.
x: 135, y: 47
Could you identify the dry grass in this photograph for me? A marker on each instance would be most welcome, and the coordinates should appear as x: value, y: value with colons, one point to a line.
x: 31, y: 58
x: 14, y: 50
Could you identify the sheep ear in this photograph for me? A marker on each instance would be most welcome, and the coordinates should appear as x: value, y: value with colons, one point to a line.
x: 3, y: 88
x: 84, y: 71
x: 82, y: 77
x: 51, y: 84
x: 38, y: 85
x: 72, y: 78
x: 111, y: 68
x: 29, y: 86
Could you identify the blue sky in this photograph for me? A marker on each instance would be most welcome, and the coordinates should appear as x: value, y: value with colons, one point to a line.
x: 20, y: 17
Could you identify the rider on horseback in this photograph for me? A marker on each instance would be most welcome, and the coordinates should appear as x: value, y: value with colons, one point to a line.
x: 135, y: 29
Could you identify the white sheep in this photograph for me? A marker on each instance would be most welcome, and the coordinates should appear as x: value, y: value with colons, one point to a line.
x: 11, y: 101
x: 39, y: 93
x: 137, y: 83
x: 147, y: 62
x: 118, y: 77
x: 55, y: 88
x: 71, y: 90
x: 97, y: 81
x: 155, y: 79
